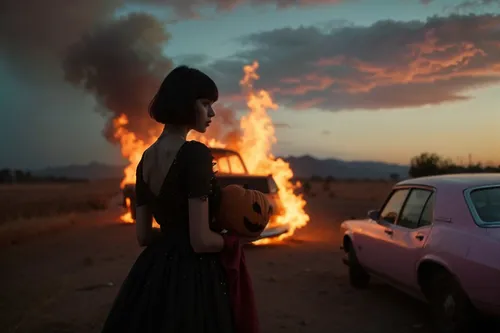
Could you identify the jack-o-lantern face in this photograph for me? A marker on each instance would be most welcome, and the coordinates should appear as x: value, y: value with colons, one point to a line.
x: 244, y: 211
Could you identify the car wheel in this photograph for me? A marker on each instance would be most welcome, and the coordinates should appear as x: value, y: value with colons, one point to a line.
x: 450, y: 307
x: 358, y: 276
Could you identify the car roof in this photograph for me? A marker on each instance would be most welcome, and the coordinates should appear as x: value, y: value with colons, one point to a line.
x: 455, y: 181
x: 223, y: 151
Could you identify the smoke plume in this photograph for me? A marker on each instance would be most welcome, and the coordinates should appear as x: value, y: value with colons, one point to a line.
x: 118, y: 60
x: 35, y: 34
x: 121, y: 63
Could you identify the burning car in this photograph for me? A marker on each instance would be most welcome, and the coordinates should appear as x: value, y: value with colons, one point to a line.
x: 232, y: 170
x: 252, y: 142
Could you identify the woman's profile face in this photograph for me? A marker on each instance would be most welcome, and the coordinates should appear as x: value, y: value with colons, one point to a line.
x: 204, y: 114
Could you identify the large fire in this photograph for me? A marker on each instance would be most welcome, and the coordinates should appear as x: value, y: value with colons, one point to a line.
x: 254, y: 146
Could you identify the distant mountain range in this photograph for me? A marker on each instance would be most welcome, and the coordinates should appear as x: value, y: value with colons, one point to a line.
x: 302, y: 166
x: 307, y: 166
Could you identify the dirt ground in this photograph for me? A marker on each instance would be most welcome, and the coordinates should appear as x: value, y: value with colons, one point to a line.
x: 65, y: 280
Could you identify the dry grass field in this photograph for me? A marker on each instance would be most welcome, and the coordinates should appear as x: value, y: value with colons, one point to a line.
x: 66, y: 281
x: 26, y: 201
x: 31, y: 208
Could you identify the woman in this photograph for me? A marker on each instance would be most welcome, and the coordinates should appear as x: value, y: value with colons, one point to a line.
x: 177, y: 284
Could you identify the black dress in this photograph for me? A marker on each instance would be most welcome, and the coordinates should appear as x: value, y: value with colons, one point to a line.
x: 170, y: 288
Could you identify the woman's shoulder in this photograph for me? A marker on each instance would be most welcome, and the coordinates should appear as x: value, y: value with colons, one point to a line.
x: 196, y: 147
x: 195, y: 152
x: 198, y: 144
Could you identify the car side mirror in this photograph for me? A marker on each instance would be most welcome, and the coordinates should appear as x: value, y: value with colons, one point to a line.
x: 374, y: 215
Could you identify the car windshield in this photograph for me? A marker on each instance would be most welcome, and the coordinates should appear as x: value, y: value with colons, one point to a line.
x: 228, y: 162
x: 486, y: 202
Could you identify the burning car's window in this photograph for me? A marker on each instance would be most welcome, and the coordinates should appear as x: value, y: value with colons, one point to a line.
x: 223, y: 165
x: 486, y: 202
x: 391, y: 210
x: 236, y: 165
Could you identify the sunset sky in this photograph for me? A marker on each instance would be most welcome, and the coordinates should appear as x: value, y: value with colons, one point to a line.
x: 359, y: 80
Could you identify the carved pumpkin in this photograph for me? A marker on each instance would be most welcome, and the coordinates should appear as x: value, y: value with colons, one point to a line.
x: 243, y: 211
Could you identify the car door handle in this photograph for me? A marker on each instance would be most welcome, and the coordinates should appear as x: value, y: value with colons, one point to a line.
x: 419, y: 237
x: 388, y: 231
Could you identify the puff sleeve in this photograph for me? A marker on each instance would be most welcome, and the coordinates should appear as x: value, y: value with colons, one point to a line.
x: 143, y: 194
x: 199, y: 170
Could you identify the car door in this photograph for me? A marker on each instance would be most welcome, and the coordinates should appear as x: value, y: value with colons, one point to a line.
x: 409, y: 235
x: 374, y: 240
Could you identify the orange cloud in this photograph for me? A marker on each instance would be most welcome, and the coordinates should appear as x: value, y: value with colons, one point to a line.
x: 310, y: 82
x: 386, y: 65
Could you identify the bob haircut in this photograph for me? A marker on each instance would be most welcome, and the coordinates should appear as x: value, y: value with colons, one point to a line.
x: 175, y: 101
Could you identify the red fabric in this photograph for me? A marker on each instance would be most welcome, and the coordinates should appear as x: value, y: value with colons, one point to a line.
x: 240, y: 286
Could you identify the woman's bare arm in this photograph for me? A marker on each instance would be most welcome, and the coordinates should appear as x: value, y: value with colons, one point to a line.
x: 202, y: 239
x: 145, y: 232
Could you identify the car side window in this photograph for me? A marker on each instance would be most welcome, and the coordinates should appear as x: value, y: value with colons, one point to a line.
x: 428, y: 213
x: 223, y: 165
x: 393, y: 206
x: 236, y: 165
x: 414, y: 206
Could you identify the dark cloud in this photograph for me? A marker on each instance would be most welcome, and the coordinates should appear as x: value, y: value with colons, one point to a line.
x: 34, y: 36
x: 337, y: 66
x: 119, y: 61
x: 390, y: 64
x: 46, y: 28
x: 191, y: 8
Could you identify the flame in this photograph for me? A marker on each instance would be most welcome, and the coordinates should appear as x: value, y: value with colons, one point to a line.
x: 254, y: 146
x: 255, y: 149
x: 132, y: 149
x: 127, y: 217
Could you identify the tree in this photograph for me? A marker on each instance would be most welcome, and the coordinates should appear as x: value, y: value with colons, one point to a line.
x: 429, y: 164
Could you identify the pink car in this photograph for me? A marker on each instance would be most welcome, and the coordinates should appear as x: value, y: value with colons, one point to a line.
x: 438, y: 239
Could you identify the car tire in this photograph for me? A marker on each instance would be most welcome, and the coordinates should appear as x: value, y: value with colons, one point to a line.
x: 358, y: 276
x: 450, y: 307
